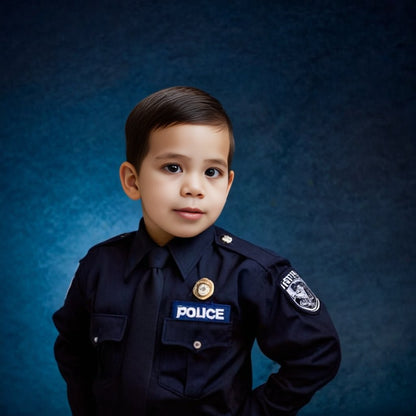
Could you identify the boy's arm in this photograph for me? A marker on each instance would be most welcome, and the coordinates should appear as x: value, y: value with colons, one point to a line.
x: 303, y: 341
x: 73, y: 351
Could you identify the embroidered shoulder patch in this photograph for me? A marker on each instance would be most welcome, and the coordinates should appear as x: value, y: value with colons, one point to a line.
x: 299, y: 292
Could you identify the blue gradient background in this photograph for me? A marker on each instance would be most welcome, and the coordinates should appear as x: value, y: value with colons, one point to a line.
x: 322, y: 97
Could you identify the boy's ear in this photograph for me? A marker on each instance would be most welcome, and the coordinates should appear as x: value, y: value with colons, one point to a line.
x: 230, y: 180
x: 130, y: 180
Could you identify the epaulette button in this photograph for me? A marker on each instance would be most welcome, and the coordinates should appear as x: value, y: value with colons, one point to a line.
x: 227, y: 239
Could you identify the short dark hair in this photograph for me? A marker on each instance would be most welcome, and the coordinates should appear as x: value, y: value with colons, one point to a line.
x: 169, y: 107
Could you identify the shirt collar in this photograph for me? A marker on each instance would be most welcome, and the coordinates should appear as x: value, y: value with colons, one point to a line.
x: 186, y: 252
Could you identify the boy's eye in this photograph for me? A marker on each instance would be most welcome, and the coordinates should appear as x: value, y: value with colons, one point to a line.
x: 212, y: 172
x: 172, y: 168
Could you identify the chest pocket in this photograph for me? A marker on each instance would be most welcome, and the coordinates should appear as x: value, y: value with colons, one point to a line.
x: 193, y: 356
x: 106, y: 334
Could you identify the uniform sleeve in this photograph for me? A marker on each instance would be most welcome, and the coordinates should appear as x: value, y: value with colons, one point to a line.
x: 295, y: 330
x: 73, y: 351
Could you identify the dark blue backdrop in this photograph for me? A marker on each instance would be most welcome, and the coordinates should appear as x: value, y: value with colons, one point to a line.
x: 322, y: 96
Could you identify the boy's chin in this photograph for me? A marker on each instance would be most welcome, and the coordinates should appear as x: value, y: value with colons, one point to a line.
x: 191, y: 233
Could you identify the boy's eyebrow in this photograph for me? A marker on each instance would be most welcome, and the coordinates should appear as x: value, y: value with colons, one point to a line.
x: 214, y: 161
x: 220, y: 162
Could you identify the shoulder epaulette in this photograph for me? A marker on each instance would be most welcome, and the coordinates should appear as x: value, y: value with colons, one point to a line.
x: 125, y: 237
x: 266, y: 258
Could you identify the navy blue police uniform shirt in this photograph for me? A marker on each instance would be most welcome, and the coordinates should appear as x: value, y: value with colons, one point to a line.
x: 220, y: 293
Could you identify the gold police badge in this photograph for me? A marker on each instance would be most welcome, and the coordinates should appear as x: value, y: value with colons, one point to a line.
x: 203, y: 288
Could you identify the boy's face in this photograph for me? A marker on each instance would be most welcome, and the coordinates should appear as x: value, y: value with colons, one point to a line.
x: 184, y: 180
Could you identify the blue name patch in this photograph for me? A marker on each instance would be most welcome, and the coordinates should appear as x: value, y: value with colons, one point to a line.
x: 205, y: 312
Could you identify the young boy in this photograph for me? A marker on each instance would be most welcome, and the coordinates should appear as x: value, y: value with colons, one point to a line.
x: 139, y: 336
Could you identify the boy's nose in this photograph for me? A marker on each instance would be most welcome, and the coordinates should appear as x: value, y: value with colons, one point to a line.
x: 192, y: 186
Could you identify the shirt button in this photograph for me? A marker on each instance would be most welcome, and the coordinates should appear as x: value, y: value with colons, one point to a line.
x: 95, y: 340
x: 197, y: 345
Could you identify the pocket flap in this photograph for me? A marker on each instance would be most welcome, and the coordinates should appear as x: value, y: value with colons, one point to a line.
x: 196, y: 336
x: 106, y: 327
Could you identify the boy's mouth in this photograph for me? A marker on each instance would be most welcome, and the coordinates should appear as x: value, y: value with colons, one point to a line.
x: 190, y: 213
